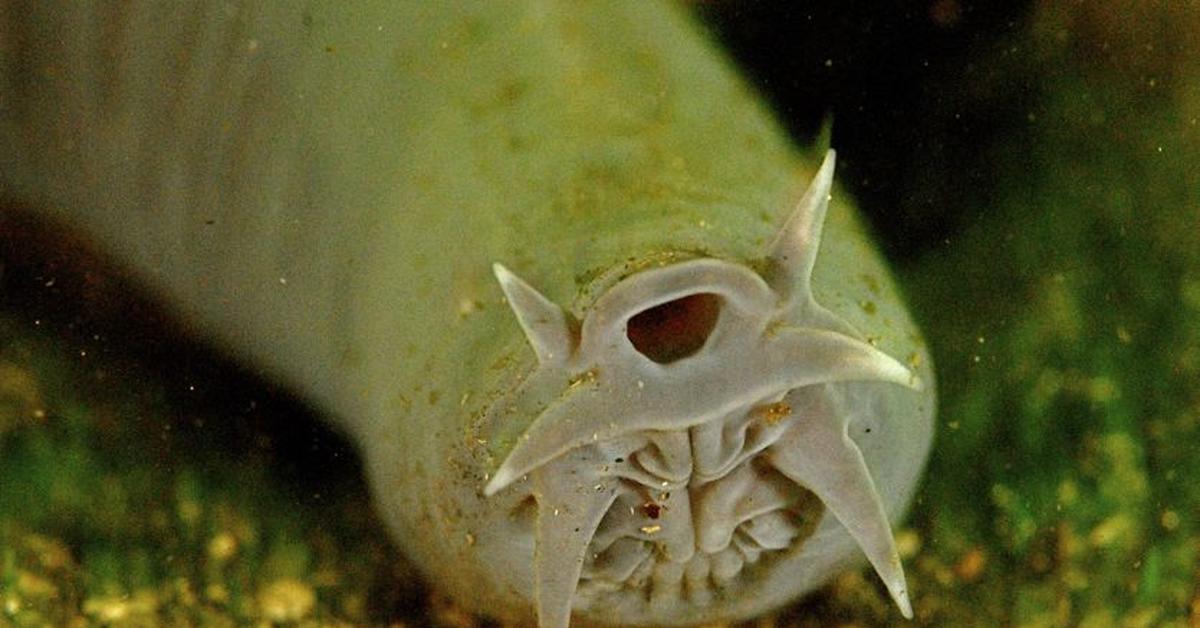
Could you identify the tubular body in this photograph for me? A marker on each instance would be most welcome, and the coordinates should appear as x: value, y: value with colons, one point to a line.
x: 322, y: 192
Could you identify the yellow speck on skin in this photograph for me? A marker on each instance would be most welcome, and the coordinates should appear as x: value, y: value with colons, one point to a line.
x: 776, y: 412
x: 468, y: 306
x: 871, y: 282
x: 586, y: 377
x: 914, y: 360
x: 286, y: 600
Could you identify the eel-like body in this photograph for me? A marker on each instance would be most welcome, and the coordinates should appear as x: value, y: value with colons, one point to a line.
x: 692, y: 416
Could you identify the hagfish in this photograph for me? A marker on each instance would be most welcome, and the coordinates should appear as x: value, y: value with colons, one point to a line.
x: 607, y: 341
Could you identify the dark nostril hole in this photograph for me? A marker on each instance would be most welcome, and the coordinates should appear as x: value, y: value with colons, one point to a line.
x: 675, y: 329
x: 525, y: 513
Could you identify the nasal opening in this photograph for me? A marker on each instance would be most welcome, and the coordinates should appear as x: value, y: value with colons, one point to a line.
x: 676, y: 329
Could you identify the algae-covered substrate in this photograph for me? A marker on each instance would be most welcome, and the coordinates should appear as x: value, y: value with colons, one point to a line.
x: 145, y: 481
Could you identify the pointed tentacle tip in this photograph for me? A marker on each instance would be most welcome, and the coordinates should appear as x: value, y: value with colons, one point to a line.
x: 625, y: 457
x: 904, y: 375
x: 891, y: 370
x: 894, y: 371
x: 891, y: 571
x: 825, y: 172
x: 793, y: 252
x: 896, y: 583
x: 499, y: 482
x: 547, y: 327
x: 902, y: 601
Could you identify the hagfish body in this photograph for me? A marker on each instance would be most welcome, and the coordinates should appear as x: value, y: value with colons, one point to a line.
x: 703, y: 396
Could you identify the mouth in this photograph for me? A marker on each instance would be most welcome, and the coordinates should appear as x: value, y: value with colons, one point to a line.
x: 692, y: 429
x: 693, y: 509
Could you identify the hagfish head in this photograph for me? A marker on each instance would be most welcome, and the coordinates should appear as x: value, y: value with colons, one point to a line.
x: 691, y: 433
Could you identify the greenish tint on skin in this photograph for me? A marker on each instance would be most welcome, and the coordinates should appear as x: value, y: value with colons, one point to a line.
x: 322, y: 193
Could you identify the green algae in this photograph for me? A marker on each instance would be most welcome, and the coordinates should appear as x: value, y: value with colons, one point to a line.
x: 1068, y: 343
x: 122, y: 503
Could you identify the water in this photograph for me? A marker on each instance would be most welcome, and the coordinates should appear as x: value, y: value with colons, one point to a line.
x: 1029, y: 170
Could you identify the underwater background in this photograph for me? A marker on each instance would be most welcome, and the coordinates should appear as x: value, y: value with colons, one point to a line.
x: 1032, y: 171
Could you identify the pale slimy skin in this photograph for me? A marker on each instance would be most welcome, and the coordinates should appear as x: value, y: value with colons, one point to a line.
x: 324, y: 194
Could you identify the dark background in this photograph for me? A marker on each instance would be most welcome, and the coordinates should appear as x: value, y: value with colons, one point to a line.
x: 918, y: 93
